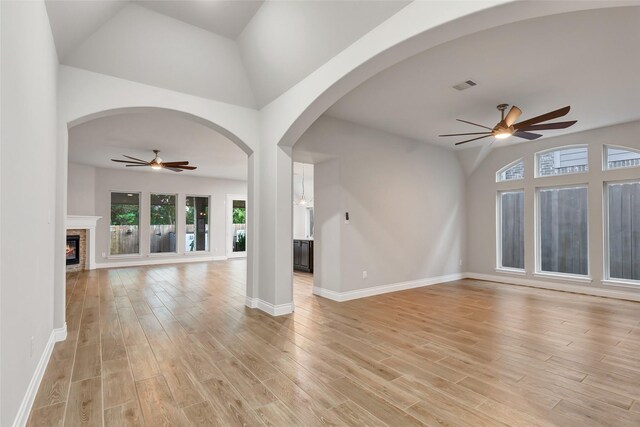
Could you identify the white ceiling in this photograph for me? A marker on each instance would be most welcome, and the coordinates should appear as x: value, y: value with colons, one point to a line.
x: 144, y: 46
x: 589, y: 60
x: 95, y: 142
x: 240, y: 52
x: 73, y: 21
x: 224, y: 17
x: 288, y: 40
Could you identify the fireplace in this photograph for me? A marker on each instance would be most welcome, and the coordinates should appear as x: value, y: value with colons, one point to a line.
x: 73, y: 249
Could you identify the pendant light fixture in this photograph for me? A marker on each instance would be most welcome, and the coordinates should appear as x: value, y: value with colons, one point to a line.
x: 303, y: 201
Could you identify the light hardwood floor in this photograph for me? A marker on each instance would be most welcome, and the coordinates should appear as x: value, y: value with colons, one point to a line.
x: 175, y: 345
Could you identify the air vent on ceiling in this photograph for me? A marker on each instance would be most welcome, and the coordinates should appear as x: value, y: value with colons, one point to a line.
x: 465, y: 85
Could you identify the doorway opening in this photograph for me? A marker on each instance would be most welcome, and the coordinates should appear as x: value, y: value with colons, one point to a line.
x: 303, y: 227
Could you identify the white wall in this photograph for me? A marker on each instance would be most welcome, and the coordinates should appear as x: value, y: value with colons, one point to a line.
x: 107, y: 180
x: 81, y: 189
x: 482, y: 192
x: 405, y: 200
x: 29, y: 133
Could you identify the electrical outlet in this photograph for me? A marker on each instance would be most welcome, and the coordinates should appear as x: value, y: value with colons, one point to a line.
x: 364, y: 274
x: 460, y: 262
x: 104, y: 254
x: 33, y: 340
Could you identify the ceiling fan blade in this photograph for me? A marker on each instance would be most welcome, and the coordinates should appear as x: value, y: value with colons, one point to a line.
x: 527, y: 135
x: 180, y: 163
x: 543, y: 118
x: 463, y: 134
x: 548, y: 126
x: 133, y: 158
x: 174, y: 169
x: 469, y: 140
x: 132, y: 166
x: 513, y: 115
x: 129, y: 161
x: 189, y: 168
x: 471, y: 123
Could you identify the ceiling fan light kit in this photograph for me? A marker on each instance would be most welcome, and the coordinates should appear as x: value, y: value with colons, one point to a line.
x: 508, y: 127
x: 156, y: 163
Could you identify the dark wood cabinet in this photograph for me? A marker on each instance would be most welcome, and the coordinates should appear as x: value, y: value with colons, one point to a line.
x: 303, y: 255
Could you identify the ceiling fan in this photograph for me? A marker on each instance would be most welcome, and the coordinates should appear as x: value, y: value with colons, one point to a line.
x: 507, y: 125
x: 156, y: 163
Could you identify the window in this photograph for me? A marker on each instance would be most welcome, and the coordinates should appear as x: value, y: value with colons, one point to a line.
x: 511, y: 229
x: 125, y: 222
x: 511, y: 172
x: 617, y: 157
x: 197, y: 220
x: 623, y: 230
x: 162, y: 229
x: 308, y: 224
x: 239, y: 224
x: 563, y: 161
x: 563, y: 230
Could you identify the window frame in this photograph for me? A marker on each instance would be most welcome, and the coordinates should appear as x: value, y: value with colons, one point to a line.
x: 149, y: 225
x: 536, y: 160
x: 605, y: 157
x: 139, y: 253
x: 499, y: 266
x: 208, y: 251
x: 606, y: 258
x: 509, y: 166
x: 585, y: 278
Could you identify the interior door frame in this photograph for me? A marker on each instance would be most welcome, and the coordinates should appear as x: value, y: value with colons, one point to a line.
x: 229, y: 221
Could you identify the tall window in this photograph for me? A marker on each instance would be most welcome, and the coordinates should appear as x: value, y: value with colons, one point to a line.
x: 162, y: 230
x: 239, y: 226
x: 563, y: 230
x: 125, y: 223
x: 617, y: 157
x: 511, y: 238
x: 623, y: 230
x: 511, y: 172
x: 562, y: 161
x: 197, y: 230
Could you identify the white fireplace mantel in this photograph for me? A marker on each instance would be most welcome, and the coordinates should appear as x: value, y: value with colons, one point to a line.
x: 83, y: 222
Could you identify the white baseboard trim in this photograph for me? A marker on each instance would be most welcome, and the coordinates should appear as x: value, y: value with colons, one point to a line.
x: 22, y: 416
x: 383, y: 289
x: 267, y: 307
x: 251, y: 302
x: 565, y: 287
x: 60, y: 334
x: 153, y: 261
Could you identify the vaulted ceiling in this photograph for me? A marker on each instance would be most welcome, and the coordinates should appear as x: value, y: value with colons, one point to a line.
x: 588, y: 60
x: 97, y: 141
x: 240, y: 52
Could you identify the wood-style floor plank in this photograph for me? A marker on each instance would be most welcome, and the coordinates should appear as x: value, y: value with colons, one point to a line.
x: 175, y: 345
x: 84, y: 407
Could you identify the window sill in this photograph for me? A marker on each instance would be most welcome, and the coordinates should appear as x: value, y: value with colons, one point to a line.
x: 162, y: 254
x: 516, y: 271
x: 197, y: 253
x: 622, y: 283
x: 567, y: 277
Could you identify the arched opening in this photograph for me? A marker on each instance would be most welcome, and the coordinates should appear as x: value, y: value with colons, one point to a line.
x: 508, y: 15
x: 150, y: 218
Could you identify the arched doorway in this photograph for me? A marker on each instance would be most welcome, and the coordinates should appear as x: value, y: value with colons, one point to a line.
x: 77, y: 108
